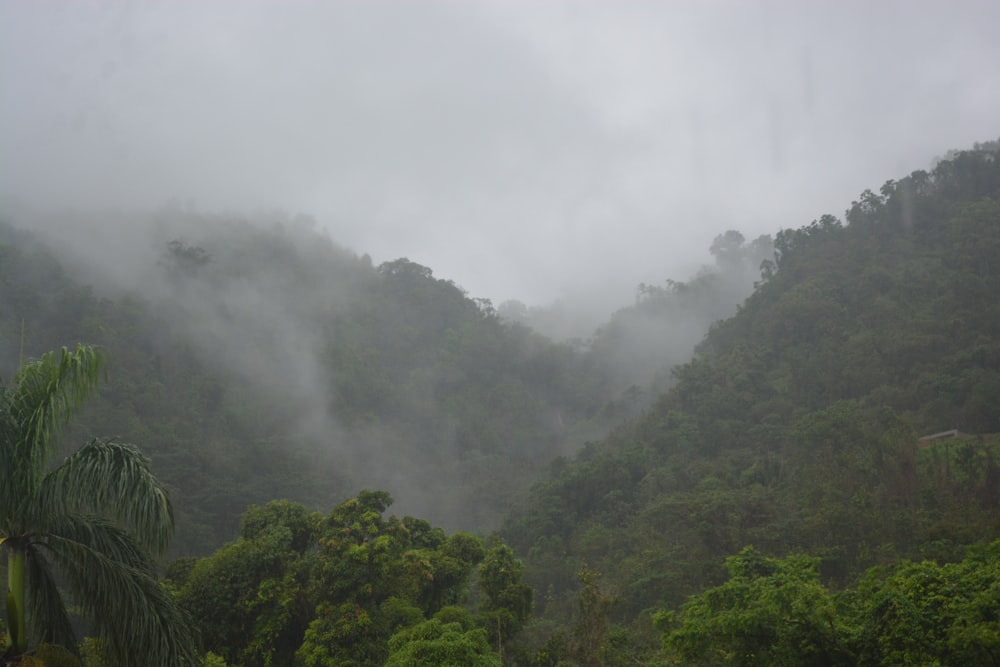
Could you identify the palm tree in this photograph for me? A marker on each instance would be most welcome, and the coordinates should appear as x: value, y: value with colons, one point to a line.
x: 90, y: 527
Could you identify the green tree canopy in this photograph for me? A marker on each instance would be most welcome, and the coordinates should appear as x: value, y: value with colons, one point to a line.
x: 770, y: 612
x: 930, y: 613
x: 304, y: 589
x: 437, y: 644
x: 775, y: 611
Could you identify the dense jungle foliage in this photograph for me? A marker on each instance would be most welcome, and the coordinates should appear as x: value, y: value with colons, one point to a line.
x: 769, y: 501
x: 796, y: 427
x: 351, y: 588
x: 777, y: 611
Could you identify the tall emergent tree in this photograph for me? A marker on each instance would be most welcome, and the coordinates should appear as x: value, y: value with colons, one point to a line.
x: 89, y: 527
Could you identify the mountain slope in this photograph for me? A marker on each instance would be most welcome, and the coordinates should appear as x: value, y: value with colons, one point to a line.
x: 254, y: 359
x: 253, y: 363
x: 796, y: 426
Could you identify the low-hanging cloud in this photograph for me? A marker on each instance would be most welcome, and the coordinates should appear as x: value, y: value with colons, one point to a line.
x: 523, y: 149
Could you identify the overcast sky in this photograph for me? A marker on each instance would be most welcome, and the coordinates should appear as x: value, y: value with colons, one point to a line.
x: 521, y: 149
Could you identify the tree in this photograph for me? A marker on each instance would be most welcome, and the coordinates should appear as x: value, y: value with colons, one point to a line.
x: 928, y: 613
x: 300, y: 588
x: 776, y: 612
x: 92, y: 524
x: 250, y: 599
x: 591, y: 631
x: 728, y: 248
x: 507, y: 599
x: 435, y: 643
x: 770, y: 612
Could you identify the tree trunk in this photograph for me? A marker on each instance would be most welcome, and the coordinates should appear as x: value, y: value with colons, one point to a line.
x: 17, y: 636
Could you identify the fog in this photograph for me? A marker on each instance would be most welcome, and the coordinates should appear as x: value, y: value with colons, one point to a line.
x: 524, y: 150
x: 550, y: 153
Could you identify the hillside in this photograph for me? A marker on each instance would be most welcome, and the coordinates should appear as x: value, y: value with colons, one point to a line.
x: 253, y: 360
x: 255, y: 364
x: 795, y: 428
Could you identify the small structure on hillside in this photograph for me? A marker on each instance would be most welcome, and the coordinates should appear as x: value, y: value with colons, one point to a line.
x: 953, y: 433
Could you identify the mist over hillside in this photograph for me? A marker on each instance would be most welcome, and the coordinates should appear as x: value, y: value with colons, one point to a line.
x: 796, y: 428
x: 546, y: 276
x: 254, y: 357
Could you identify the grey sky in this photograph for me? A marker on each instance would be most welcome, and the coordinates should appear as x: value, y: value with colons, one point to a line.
x: 521, y: 149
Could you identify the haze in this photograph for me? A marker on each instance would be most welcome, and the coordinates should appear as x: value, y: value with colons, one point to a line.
x: 524, y: 150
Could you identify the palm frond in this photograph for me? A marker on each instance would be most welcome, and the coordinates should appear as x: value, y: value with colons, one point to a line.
x: 49, y: 620
x: 10, y: 467
x: 135, y: 616
x: 47, y: 391
x: 98, y: 534
x: 112, y: 480
x: 44, y: 394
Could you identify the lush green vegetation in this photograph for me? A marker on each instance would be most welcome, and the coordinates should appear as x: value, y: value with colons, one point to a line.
x: 258, y: 362
x: 795, y: 429
x: 352, y: 588
x: 90, y: 526
x: 776, y: 611
x: 274, y: 364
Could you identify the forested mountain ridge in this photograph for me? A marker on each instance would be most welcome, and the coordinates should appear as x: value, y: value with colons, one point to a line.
x: 254, y: 361
x: 263, y: 363
x: 258, y: 362
x: 795, y: 428
x: 640, y: 342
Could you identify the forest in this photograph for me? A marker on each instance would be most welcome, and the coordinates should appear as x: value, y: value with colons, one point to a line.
x: 266, y: 450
